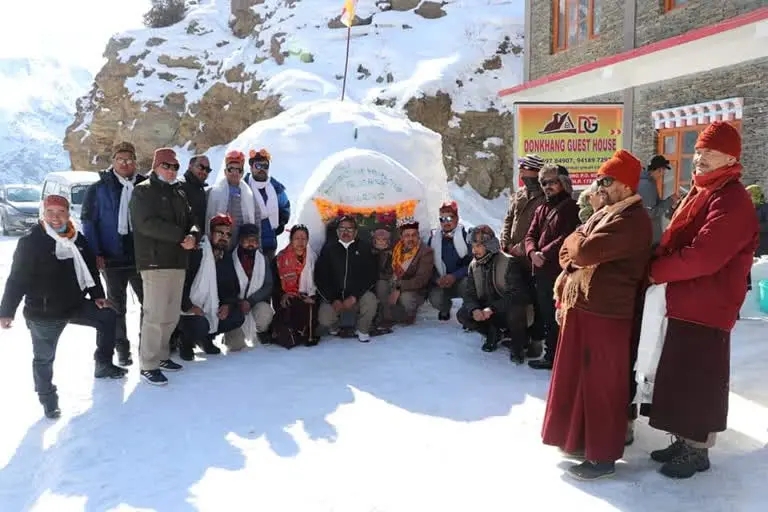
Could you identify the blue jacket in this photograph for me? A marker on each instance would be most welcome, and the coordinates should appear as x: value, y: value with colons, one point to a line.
x: 101, y: 205
x: 454, y: 265
x: 269, y: 235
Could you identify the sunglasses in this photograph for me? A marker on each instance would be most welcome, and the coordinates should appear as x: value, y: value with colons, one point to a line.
x: 605, y: 181
x: 224, y: 234
x: 545, y: 183
x: 262, y: 166
x: 234, y: 170
x: 447, y: 218
x: 124, y: 161
x: 204, y: 168
x: 169, y: 167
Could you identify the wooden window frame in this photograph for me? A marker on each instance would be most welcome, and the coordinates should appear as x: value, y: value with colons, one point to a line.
x: 671, y: 5
x: 678, y: 155
x: 556, y: 24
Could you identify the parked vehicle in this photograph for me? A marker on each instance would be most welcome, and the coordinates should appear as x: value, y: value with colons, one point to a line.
x: 19, y: 207
x: 72, y: 185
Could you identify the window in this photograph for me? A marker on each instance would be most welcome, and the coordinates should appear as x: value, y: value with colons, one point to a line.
x: 677, y: 146
x: 672, y: 4
x: 575, y: 21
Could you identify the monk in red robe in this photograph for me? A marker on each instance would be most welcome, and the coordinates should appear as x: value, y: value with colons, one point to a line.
x: 604, y: 265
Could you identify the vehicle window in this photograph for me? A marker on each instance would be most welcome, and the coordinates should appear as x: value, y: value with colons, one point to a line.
x: 77, y: 194
x: 24, y: 195
x: 51, y: 187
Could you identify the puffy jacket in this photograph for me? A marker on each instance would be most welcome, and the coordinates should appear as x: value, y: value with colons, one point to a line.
x: 269, y: 235
x: 345, y: 272
x: 499, y: 284
x: 99, y: 216
x: 552, y: 222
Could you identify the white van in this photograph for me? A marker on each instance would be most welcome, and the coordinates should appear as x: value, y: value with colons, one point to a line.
x: 72, y: 185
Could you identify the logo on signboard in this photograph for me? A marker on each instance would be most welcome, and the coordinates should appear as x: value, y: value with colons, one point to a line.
x: 562, y: 123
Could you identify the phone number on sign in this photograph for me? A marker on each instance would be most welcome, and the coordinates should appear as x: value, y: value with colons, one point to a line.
x: 596, y: 160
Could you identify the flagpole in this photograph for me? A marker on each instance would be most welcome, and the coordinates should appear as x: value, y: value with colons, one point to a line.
x: 346, y: 61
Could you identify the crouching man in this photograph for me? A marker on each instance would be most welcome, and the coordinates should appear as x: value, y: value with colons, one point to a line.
x: 210, y: 301
x: 53, y: 270
x: 345, y: 274
x: 497, y: 295
x: 255, y: 288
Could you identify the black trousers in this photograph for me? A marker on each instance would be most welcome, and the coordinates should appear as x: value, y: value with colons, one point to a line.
x: 513, y: 321
x: 45, y: 335
x: 545, y: 301
x: 193, y: 329
x: 536, y: 329
x: 118, y: 279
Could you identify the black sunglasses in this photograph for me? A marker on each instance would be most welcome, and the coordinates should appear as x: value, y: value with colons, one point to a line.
x: 168, y: 166
x: 605, y: 181
x: 204, y: 168
x: 446, y: 218
x: 260, y: 165
x: 545, y: 183
x: 234, y: 169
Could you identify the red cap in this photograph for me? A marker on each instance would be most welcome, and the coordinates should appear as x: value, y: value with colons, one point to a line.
x: 56, y: 200
x: 721, y: 136
x: 624, y: 167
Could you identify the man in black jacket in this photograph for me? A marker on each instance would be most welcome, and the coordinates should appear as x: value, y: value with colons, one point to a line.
x: 194, y: 186
x: 164, y: 233
x: 210, y: 302
x: 53, y: 270
x: 345, y: 274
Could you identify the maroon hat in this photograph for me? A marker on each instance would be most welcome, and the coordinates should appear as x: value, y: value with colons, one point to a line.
x: 165, y: 156
x: 56, y: 200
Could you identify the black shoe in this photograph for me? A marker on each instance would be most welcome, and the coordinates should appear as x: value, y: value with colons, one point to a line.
x: 534, y: 350
x: 541, y: 364
x: 517, y: 354
x: 170, y: 366
x: 209, y: 348
x: 444, y: 317
x: 313, y: 341
x: 689, y: 462
x: 108, y: 371
x: 491, y: 340
x: 186, y: 352
x: 589, y: 470
x: 154, y: 377
x: 265, y: 338
x: 50, y: 403
x: 123, y: 350
x: 670, y: 452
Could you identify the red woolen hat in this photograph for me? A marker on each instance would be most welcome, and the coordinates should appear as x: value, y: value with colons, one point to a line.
x: 234, y: 157
x: 450, y: 206
x: 624, y: 167
x: 721, y: 136
x: 164, y: 156
x: 221, y: 219
x: 55, y: 200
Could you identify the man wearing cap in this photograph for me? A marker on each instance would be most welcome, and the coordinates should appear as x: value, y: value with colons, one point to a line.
x: 412, y: 263
x: 232, y: 196
x: 195, y: 187
x: 271, y: 198
x: 604, y: 266
x: 164, y: 233
x: 649, y: 191
x: 108, y: 230
x: 54, y: 270
x: 704, y: 257
x: 451, y: 255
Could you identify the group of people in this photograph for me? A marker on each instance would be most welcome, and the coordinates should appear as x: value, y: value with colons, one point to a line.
x: 565, y: 278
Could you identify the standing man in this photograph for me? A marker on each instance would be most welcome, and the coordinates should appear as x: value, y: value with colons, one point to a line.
x: 271, y: 198
x: 552, y: 222
x: 452, y: 254
x: 164, y: 235
x: 231, y: 195
x: 649, y: 191
x: 194, y: 186
x: 604, y: 264
x: 108, y: 230
x: 53, y: 270
x: 704, y: 257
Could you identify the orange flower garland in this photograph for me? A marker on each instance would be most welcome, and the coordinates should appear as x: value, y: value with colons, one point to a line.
x: 330, y: 210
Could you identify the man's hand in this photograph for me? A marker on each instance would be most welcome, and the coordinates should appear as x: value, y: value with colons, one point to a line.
x: 349, y: 302
x: 477, y: 315
x: 394, y: 297
x: 245, y: 306
x: 446, y: 281
x: 103, y: 303
x: 189, y: 243
x: 223, y: 311
x: 101, y: 262
x: 487, y: 313
x: 337, y: 306
x: 196, y: 310
x: 6, y: 323
x: 537, y: 258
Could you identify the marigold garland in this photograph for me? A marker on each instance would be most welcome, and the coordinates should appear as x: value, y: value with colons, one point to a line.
x: 330, y: 210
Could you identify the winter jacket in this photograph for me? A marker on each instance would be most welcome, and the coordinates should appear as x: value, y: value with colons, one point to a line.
x: 419, y: 272
x: 196, y: 192
x: 454, y: 265
x: 499, y: 284
x: 267, y: 289
x: 707, y: 265
x: 226, y: 279
x: 345, y: 272
x: 47, y: 284
x: 99, y: 216
x: 522, y: 206
x: 656, y: 206
x: 269, y: 235
x: 161, y: 219
x: 762, y: 220
x: 552, y: 222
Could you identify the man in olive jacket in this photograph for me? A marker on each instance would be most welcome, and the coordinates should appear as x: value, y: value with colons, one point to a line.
x: 164, y: 233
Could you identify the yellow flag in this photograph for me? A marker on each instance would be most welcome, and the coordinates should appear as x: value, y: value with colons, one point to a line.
x: 348, y: 12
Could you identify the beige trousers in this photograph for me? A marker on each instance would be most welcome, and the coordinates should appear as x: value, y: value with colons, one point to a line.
x: 407, y: 305
x: 261, y: 314
x: 365, y: 309
x: 162, y: 303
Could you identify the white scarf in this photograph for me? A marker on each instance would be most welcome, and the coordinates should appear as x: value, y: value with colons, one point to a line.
x: 66, y: 249
x: 204, y: 292
x: 123, y: 217
x: 218, y: 202
x: 248, y: 288
x: 653, y: 334
x: 462, y: 248
x: 307, y: 278
x: 269, y: 208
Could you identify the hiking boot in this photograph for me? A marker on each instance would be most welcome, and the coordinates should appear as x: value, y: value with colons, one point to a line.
x: 590, y: 470
x: 688, y: 462
x: 108, y: 371
x: 535, y: 349
x: 545, y: 363
x: 123, y: 350
x: 670, y: 452
x: 154, y: 377
x: 491, y: 340
x: 170, y: 366
x: 50, y: 403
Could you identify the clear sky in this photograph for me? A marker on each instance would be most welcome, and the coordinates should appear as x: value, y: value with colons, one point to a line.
x: 72, y: 31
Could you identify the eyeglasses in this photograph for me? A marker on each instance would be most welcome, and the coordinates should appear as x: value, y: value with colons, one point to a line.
x: 234, y: 170
x: 124, y: 161
x: 169, y: 167
x: 605, y: 181
x: 446, y: 218
x: 545, y: 183
x: 346, y: 230
x: 224, y: 234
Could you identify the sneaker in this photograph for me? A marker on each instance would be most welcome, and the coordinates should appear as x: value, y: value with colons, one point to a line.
x: 154, y: 377
x: 589, y: 470
x: 108, y: 371
x: 670, y: 452
x: 170, y: 366
x: 364, y: 337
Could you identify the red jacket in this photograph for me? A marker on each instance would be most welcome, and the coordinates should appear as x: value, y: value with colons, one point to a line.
x: 548, y: 231
x: 707, y: 269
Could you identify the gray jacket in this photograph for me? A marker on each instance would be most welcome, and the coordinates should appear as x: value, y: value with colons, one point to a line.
x: 653, y: 203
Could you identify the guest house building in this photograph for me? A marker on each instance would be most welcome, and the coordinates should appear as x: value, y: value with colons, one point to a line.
x: 676, y: 65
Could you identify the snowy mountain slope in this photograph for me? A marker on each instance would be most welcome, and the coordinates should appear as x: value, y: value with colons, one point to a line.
x: 37, y: 102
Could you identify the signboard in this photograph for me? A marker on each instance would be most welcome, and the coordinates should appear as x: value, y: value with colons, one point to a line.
x: 578, y: 136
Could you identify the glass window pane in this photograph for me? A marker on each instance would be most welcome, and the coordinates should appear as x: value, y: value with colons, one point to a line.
x: 670, y: 144
x: 573, y: 20
x: 670, y: 178
x: 689, y: 141
x: 597, y: 16
x: 686, y: 172
x: 561, y: 24
x: 583, y: 20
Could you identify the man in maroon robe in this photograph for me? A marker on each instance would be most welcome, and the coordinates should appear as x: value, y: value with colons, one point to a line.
x: 604, y: 263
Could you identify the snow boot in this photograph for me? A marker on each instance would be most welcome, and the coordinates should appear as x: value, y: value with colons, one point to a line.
x: 108, y: 371
x: 670, y: 452
x: 689, y: 462
x: 589, y: 470
x: 491, y: 339
x: 50, y: 403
